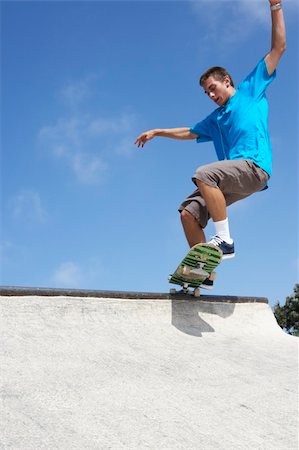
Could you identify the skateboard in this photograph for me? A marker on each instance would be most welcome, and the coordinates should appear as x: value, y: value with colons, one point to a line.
x: 195, y: 268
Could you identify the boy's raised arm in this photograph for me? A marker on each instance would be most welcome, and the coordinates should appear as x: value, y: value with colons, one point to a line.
x: 278, y: 44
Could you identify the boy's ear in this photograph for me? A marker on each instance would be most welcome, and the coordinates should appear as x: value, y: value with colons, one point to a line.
x: 227, y: 81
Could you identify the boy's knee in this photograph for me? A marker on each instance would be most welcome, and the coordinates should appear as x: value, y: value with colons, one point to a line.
x: 187, y: 217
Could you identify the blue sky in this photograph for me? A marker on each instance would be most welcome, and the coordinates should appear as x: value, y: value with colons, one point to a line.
x: 81, y: 206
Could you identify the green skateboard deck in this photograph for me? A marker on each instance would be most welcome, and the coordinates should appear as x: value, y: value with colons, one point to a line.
x: 196, y: 267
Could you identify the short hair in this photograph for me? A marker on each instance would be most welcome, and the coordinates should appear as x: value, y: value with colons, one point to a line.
x: 219, y: 73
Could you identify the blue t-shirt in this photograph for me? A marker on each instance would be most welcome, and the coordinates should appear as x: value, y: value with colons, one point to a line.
x: 239, y: 129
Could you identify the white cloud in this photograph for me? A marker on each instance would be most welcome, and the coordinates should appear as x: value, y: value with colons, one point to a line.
x: 72, y: 275
x: 27, y: 205
x: 74, y: 93
x: 68, y: 274
x: 65, y: 130
x: 88, y: 169
x: 118, y: 125
x: 100, y: 126
x: 230, y: 22
x: 257, y: 11
x: 84, y: 143
x: 67, y: 140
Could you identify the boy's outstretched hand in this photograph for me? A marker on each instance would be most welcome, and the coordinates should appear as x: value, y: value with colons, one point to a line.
x: 144, y: 137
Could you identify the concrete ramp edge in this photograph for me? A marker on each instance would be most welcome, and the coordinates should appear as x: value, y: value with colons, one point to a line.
x: 20, y: 291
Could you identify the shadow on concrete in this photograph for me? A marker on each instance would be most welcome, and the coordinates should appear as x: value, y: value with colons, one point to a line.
x: 186, y: 315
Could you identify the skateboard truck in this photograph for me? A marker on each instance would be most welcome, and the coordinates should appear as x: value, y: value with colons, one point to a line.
x: 199, y: 271
x: 187, y: 270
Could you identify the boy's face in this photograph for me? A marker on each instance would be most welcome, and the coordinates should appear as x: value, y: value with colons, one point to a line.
x: 217, y: 90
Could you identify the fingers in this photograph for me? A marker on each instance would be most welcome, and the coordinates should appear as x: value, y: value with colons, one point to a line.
x: 141, y: 140
x: 144, y: 137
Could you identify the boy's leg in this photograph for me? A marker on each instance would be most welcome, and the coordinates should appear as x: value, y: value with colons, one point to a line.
x: 193, y: 231
x: 194, y: 218
x: 219, y: 181
x: 216, y: 204
x: 214, y: 199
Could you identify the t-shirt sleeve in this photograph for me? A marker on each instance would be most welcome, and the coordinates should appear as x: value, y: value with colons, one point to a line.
x: 202, y: 131
x: 258, y: 80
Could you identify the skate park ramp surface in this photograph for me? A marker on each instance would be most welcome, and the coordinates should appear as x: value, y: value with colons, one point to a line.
x: 92, y: 370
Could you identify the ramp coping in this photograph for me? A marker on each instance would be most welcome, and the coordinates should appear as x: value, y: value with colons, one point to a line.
x: 14, y: 291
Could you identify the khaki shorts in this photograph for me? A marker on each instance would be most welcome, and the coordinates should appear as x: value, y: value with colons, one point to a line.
x: 237, y: 179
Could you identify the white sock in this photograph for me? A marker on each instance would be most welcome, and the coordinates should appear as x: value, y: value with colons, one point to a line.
x: 222, y: 230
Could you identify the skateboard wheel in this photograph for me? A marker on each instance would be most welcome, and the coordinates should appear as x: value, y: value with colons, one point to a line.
x: 196, y: 292
x: 213, y: 276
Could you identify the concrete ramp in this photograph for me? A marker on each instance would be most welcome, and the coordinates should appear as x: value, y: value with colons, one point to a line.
x: 145, y: 372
